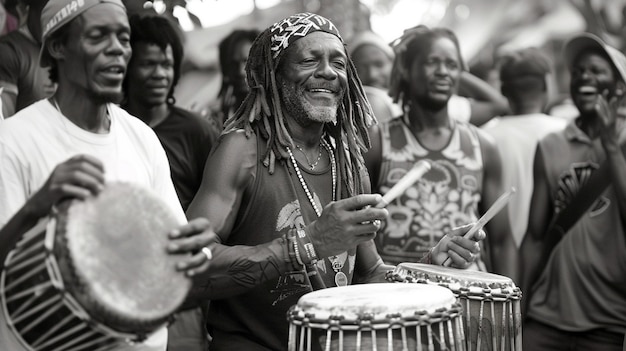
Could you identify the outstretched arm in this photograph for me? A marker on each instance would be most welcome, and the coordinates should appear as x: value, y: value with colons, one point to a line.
x: 502, y: 247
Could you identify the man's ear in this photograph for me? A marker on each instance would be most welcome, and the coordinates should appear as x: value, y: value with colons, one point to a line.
x: 56, y: 48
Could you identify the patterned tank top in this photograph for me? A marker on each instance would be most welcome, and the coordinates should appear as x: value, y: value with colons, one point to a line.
x: 446, y: 196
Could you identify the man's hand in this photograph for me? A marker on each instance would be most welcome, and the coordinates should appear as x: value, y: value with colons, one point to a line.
x: 79, y: 177
x: 462, y: 251
x: 607, y: 112
x: 193, y: 238
x: 346, y: 223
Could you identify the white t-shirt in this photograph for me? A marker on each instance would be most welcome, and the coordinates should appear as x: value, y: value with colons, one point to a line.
x: 516, y: 139
x: 460, y: 108
x: 38, y: 138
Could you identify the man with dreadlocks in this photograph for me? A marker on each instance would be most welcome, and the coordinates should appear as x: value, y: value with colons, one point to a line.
x: 466, y: 174
x: 286, y: 188
x: 233, y: 55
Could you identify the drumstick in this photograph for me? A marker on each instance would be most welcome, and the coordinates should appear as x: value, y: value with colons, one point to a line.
x: 491, y: 212
x: 418, y: 170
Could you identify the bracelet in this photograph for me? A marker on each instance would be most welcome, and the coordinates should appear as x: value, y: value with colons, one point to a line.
x: 292, y: 249
x: 309, y: 249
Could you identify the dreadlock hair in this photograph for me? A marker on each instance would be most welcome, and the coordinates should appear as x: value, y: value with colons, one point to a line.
x: 228, y: 97
x: 158, y: 30
x: 414, y: 42
x: 261, y: 110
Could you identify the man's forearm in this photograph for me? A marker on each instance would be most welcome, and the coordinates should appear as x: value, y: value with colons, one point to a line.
x: 237, y: 269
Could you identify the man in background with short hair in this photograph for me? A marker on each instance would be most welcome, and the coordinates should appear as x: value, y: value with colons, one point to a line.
x: 523, y: 74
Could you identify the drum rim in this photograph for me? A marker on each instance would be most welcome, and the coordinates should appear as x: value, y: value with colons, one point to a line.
x: 469, y: 288
x: 96, y: 308
x: 365, y: 321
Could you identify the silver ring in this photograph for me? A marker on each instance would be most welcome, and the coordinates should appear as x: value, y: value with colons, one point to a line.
x: 207, y: 252
x: 377, y: 223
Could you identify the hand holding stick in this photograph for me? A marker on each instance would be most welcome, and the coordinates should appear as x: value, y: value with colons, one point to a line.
x: 491, y: 212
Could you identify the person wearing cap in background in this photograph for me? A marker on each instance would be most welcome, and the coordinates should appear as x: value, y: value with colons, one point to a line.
x: 373, y: 59
x: 286, y: 189
x: 22, y: 79
x: 72, y: 144
x: 577, y: 300
x: 466, y: 174
x: 524, y: 75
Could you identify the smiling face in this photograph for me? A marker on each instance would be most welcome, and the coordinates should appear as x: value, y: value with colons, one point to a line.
x: 435, y: 74
x: 150, y: 74
x: 313, y: 78
x: 96, y: 54
x: 592, y: 74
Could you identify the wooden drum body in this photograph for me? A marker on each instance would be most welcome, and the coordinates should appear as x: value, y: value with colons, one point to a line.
x: 376, y: 317
x: 491, y: 303
x: 95, y: 274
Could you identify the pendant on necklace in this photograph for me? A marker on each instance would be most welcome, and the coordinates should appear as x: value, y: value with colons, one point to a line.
x: 341, y: 279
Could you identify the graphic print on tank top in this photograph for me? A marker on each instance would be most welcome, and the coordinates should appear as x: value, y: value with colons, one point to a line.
x: 446, y: 196
x: 297, y: 282
x: 571, y: 181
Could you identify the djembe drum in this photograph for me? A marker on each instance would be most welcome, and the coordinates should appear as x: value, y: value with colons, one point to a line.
x: 491, y: 303
x: 95, y: 274
x: 376, y: 317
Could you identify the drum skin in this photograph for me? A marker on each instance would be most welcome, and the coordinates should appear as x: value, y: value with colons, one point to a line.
x: 376, y: 317
x: 95, y: 274
x: 113, y: 248
x: 491, y: 303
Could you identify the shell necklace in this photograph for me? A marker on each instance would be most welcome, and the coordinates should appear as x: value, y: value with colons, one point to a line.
x: 340, y: 277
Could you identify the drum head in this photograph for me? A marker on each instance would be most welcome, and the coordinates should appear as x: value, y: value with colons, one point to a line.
x: 376, y: 301
x: 112, y: 255
x: 452, y: 277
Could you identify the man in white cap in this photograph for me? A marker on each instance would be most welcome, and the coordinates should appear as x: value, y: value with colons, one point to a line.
x: 574, y: 279
x: 70, y: 145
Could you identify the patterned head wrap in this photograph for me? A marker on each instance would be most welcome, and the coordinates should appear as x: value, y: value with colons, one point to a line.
x: 294, y: 27
x: 262, y: 113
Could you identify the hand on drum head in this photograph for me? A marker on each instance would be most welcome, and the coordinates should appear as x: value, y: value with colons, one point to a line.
x: 462, y: 251
x: 193, y: 238
x: 79, y: 177
x: 346, y: 223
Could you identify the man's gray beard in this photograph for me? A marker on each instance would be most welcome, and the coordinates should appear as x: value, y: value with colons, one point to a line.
x: 299, y: 108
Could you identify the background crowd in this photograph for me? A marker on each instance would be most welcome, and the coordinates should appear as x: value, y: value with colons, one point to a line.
x: 544, y: 117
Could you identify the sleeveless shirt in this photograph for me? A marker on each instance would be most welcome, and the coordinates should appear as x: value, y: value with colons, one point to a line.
x: 583, y: 285
x: 446, y: 196
x: 276, y: 203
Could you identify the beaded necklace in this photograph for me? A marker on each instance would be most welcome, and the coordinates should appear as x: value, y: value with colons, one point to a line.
x: 340, y: 277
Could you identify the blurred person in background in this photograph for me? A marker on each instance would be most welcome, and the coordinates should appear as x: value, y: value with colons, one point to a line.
x: 574, y: 275
x: 233, y: 55
x: 523, y: 76
x: 466, y: 174
x: 373, y: 59
x: 23, y: 80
